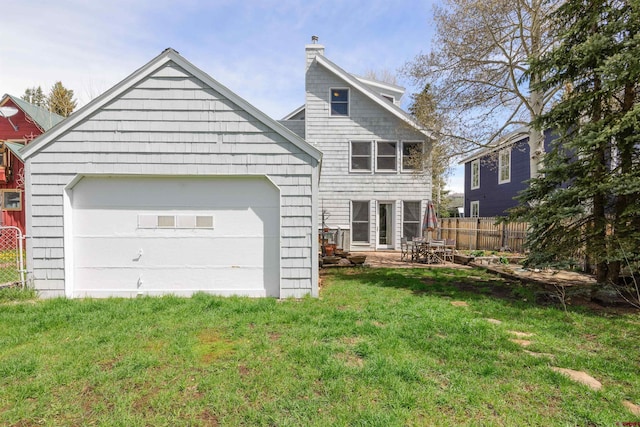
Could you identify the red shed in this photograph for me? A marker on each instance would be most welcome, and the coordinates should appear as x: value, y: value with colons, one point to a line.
x: 20, y: 123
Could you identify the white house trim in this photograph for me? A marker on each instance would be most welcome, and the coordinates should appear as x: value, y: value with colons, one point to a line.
x: 503, y: 142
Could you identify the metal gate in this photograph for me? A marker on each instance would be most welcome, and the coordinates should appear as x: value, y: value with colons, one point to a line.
x: 12, y: 267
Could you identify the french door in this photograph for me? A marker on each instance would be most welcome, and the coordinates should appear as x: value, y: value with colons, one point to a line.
x: 384, y: 225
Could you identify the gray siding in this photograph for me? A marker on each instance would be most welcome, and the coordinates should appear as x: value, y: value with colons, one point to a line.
x: 367, y: 121
x: 171, y: 123
x: 294, y: 125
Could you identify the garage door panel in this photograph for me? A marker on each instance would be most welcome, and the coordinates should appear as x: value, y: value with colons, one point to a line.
x: 115, y: 252
x: 123, y: 282
x: 230, y: 222
x: 189, y: 192
x: 132, y: 252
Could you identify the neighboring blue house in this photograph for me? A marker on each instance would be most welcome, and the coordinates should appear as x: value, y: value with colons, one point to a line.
x: 495, y: 175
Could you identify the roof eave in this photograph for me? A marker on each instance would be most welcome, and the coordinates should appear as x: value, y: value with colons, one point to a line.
x: 509, y: 139
x: 165, y: 56
x: 392, y: 108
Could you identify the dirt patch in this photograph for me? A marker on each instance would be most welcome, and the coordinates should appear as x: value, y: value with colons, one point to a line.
x: 243, y: 370
x: 581, y: 377
x: 523, y: 343
x: 459, y: 304
x: 274, y: 336
x: 351, y: 360
x: 632, y: 407
x: 208, y: 418
x: 351, y: 341
x: 494, y: 321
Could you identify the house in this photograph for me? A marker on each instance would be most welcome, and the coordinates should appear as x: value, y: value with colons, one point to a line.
x: 493, y: 176
x: 170, y: 183
x: 20, y: 123
x: 370, y: 188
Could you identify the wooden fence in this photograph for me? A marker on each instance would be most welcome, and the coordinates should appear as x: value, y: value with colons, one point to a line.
x: 484, y: 233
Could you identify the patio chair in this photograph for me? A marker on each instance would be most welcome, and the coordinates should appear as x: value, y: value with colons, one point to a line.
x: 405, y: 252
x: 436, y: 251
x: 449, y: 250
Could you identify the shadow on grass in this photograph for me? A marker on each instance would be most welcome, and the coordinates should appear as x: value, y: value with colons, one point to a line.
x: 463, y: 285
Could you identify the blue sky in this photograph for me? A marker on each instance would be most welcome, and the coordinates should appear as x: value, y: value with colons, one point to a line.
x: 256, y: 48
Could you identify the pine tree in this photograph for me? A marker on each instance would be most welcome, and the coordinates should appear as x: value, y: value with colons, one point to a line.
x: 589, y: 195
x: 60, y: 100
x: 35, y: 96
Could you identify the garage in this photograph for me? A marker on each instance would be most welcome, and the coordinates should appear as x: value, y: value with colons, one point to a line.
x: 170, y: 183
x: 155, y: 235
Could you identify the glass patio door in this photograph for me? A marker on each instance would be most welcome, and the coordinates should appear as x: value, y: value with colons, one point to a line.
x: 385, y: 225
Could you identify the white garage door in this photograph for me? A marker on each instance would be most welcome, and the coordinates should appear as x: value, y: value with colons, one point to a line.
x: 149, y: 235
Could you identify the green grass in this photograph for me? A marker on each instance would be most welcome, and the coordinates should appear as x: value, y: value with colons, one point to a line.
x: 379, y: 348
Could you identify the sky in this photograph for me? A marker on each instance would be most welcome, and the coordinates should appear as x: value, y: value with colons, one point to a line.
x: 255, y: 48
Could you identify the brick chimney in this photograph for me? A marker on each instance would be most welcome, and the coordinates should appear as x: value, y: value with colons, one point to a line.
x: 313, y: 49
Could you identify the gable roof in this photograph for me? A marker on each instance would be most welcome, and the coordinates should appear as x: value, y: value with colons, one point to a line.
x: 294, y: 113
x: 378, y: 99
x: 42, y: 117
x: 509, y: 139
x: 391, y: 89
x: 16, y: 149
x: 166, y: 56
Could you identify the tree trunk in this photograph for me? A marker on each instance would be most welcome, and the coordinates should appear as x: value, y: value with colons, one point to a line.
x: 599, y: 236
x: 536, y: 136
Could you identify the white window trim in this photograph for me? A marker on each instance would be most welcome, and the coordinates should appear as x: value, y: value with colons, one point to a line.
x: 371, y: 158
x: 360, y: 242
x: 475, y: 203
x: 500, y: 166
x: 377, y: 169
x: 418, y: 222
x: 402, y: 169
x: 476, y: 162
x: 348, y: 102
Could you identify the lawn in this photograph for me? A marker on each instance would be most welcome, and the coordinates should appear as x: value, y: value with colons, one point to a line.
x: 381, y: 347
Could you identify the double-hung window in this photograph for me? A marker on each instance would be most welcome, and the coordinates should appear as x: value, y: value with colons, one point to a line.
x: 386, y: 154
x: 475, y: 174
x: 361, y: 156
x: 360, y: 222
x: 411, y: 219
x: 411, y: 156
x: 340, y: 102
x: 475, y: 209
x: 504, y: 166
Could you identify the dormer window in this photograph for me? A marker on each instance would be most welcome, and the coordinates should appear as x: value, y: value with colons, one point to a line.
x: 340, y: 102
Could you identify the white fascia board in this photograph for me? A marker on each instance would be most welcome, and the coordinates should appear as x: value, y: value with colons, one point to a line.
x: 108, y: 96
x: 392, y: 108
x: 509, y: 139
x: 394, y: 89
